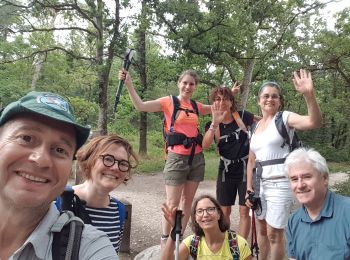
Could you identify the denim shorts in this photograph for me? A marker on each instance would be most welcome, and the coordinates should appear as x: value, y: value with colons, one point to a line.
x: 177, y: 171
x: 276, y: 201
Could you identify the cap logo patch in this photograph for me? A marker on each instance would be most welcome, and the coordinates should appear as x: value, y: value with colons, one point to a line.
x: 53, y: 101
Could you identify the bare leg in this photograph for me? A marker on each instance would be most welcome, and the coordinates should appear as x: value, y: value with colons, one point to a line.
x: 276, y: 239
x: 227, y: 212
x: 188, y: 194
x: 173, y: 196
x: 244, y: 221
x: 263, y: 241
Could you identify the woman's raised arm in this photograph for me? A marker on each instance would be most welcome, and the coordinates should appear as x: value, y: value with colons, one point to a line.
x: 143, y: 106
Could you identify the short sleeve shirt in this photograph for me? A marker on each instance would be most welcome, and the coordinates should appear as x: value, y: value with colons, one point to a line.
x: 95, y: 244
x: 186, y: 124
x: 327, y: 237
x: 204, y: 252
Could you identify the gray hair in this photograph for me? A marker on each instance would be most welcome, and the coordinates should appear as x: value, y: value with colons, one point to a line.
x: 307, y: 155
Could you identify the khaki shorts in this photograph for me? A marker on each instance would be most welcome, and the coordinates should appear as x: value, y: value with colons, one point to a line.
x: 177, y: 171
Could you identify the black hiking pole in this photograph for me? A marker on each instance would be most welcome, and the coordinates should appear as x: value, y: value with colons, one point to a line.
x: 126, y: 64
x: 178, y: 229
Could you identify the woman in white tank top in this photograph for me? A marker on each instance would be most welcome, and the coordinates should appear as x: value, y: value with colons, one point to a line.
x: 265, y: 148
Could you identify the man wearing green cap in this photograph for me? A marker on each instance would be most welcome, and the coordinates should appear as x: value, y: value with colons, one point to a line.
x: 38, y: 139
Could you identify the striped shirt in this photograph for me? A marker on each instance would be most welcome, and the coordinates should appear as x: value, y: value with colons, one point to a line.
x: 108, y: 221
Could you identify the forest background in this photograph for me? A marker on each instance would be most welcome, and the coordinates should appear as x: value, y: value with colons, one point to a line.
x: 75, y: 48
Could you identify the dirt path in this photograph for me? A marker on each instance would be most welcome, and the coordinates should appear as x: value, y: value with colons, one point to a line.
x: 146, y: 193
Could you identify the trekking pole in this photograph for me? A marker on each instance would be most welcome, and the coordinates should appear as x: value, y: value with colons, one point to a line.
x: 178, y: 229
x: 254, y: 241
x: 126, y: 64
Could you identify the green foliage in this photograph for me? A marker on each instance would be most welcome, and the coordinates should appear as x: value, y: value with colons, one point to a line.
x: 216, y: 38
x: 86, y: 112
x: 211, y: 165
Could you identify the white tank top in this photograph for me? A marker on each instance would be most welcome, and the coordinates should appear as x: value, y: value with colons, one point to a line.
x: 266, y: 145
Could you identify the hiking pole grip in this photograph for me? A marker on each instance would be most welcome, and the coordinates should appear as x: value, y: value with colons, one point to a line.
x: 178, y: 224
x: 178, y: 229
x: 126, y: 64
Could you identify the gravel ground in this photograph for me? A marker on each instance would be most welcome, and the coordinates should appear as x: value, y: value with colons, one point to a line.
x: 146, y: 193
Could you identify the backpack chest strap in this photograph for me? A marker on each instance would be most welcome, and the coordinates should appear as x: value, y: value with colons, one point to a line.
x: 234, y: 133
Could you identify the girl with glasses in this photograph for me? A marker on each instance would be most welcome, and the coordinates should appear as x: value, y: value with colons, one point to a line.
x: 106, y: 162
x: 267, y: 153
x: 212, y: 237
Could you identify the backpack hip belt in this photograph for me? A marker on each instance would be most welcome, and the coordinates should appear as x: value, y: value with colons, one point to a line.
x: 259, y: 170
x: 181, y: 139
x: 227, y: 162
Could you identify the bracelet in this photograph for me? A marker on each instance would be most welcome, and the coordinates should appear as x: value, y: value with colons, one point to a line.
x: 213, y: 127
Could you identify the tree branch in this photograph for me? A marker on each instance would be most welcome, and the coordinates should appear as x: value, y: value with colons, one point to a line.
x: 47, y: 51
x: 35, y: 29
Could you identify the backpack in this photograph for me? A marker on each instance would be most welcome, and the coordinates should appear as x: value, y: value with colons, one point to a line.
x: 172, y: 138
x: 232, y: 241
x: 70, y: 201
x: 67, y: 236
x: 69, y: 226
x: 295, y: 143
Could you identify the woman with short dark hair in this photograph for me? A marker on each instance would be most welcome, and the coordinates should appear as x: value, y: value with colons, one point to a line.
x: 230, y: 130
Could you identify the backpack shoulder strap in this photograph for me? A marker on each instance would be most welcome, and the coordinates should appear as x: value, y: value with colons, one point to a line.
x: 282, y: 130
x: 233, y: 244
x: 195, y: 107
x: 194, y: 246
x: 67, y: 236
x: 239, y: 121
x: 176, y: 107
x: 122, y: 211
x: 68, y: 192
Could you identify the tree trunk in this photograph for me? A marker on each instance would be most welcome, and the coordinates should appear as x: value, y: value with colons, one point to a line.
x: 247, y: 79
x: 143, y: 78
x: 143, y: 134
x: 102, y: 76
x: 40, y: 58
x: 38, y: 64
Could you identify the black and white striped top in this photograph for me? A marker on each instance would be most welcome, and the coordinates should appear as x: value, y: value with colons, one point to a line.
x: 108, y: 221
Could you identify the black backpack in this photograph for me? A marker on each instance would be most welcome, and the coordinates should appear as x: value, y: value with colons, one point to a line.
x: 67, y: 236
x: 295, y: 143
x: 172, y: 138
x: 177, y: 107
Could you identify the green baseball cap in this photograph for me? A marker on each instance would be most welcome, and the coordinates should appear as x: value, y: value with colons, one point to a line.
x: 49, y: 105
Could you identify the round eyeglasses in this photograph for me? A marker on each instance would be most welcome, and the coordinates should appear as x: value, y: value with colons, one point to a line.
x: 109, y: 160
x: 209, y: 210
